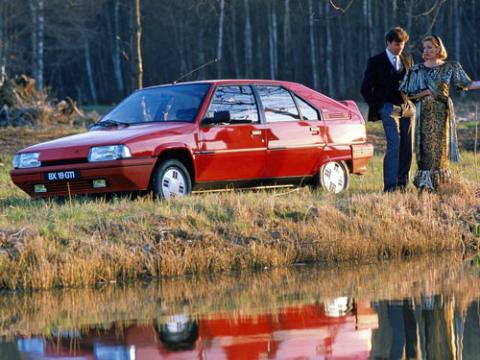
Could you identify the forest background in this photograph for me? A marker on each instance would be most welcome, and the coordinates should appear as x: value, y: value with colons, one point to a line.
x: 98, y: 51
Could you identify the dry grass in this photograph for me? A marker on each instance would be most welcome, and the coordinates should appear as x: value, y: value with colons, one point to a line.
x: 84, y: 242
x: 50, y: 244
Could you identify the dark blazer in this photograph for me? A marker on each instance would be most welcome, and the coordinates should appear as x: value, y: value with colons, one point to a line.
x: 381, y: 81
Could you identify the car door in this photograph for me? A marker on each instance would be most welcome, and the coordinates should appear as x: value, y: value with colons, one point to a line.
x: 293, y: 140
x: 235, y: 149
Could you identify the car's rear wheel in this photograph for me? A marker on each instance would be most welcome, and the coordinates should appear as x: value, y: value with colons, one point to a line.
x: 334, y: 177
x: 171, y: 179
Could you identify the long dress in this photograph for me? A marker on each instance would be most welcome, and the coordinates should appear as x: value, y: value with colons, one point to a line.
x: 435, y: 131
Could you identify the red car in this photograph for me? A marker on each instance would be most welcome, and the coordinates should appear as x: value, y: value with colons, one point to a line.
x: 175, y: 138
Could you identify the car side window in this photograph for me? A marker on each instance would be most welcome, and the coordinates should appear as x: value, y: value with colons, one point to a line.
x: 308, y: 111
x: 238, y: 101
x: 278, y: 104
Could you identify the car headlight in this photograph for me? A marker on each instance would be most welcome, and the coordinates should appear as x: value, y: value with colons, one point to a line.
x: 107, y: 153
x: 27, y: 160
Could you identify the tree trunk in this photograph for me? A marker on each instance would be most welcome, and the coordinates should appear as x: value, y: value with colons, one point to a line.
x: 88, y: 67
x: 117, y: 64
x: 220, y: 38
x: 272, y: 40
x: 367, y: 14
x: 342, y: 83
x: 457, y: 28
x: 234, y: 42
x: 313, y: 54
x: 287, y: 39
x: 34, y: 15
x: 394, y: 12
x: 410, y: 14
x: 329, y: 50
x: 40, y: 38
x: 136, y: 45
x: 200, y: 42
x: 3, y: 38
x: 248, y: 40
x: 386, y: 17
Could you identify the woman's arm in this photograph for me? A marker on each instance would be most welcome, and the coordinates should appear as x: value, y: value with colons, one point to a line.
x: 420, y: 95
x: 474, y: 85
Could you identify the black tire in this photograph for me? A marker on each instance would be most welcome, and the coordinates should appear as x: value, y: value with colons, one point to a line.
x: 334, y: 177
x: 171, y: 178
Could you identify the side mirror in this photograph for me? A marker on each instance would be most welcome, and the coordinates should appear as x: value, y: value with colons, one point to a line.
x: 219, y: 117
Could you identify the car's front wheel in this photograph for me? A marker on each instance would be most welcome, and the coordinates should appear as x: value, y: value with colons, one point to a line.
x: 334, y: 177
x: 171, y: 178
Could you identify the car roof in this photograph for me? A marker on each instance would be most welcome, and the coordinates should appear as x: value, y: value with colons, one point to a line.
x: 228, y: 81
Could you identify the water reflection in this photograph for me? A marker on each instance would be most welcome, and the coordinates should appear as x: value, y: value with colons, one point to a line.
x: 425, y: 309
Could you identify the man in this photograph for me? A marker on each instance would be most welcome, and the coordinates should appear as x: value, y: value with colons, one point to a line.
x: 380, y: 90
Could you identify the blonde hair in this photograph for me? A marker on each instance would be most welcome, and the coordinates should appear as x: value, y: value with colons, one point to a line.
x: 438, y: 43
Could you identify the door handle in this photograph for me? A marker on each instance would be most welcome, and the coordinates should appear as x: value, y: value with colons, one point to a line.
x: 256, y: 132
x: 314, y: 130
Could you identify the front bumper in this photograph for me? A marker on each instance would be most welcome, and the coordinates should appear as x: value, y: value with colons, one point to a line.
x: 120, y: 176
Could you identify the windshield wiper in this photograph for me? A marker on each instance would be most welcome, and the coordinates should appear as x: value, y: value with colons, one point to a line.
x: 109, y: 122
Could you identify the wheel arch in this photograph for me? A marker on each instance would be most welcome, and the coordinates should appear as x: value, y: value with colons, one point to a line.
x: 181, y: 154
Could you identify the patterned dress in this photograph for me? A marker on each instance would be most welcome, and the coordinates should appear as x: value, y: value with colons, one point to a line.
x: 435, y: 132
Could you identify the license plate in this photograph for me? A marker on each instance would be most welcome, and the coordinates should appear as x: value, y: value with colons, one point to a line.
x: 67, y: 175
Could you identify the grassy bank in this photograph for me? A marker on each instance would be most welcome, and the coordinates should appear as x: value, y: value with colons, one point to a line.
x: 86, y: 241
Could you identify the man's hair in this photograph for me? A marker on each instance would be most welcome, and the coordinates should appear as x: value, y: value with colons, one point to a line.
x: 397, y: 34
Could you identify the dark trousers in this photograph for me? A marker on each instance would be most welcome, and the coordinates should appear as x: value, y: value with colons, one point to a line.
x: 404, y: 331
x: 397, y: 122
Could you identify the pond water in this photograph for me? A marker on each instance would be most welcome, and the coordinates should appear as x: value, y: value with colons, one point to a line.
x: 421, y: 309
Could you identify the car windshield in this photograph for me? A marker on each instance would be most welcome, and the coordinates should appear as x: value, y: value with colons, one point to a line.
x: 165, y: 103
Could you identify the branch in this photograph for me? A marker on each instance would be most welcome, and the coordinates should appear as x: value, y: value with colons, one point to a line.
x: 338, y: 8
x: 435, y: 6
x: 434, y: 19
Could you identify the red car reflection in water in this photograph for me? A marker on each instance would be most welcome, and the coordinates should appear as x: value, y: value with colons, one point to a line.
x: 302, y: 332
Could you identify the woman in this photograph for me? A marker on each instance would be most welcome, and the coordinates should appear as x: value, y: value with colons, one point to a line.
x: 428, y: 84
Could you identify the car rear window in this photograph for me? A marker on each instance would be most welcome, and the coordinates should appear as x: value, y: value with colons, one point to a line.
x: 308, y: 112
x: 278, y: 104
x: 165, y: 103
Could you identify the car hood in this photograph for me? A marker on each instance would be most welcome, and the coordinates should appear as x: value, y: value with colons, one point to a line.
x: 78, y: 146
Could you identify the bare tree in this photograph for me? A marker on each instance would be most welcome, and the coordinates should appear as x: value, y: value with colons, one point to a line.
x: 287, y: 40
x: 322, y: 43
x: 38, y: 26
x: 313, y: 55
x: 234, y: 41
x: 3, y: 37
x: 220, y: 37
x: 116, y: 58
x: 88, y: 66
x: 272, y: 40
x: 248, y: 40
x: 329, y: 49
x: 136, y: 44
x: 457, y: 27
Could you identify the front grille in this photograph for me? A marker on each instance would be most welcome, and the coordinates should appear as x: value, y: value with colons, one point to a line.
x: 64, y: 162
x: 76, y: 187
